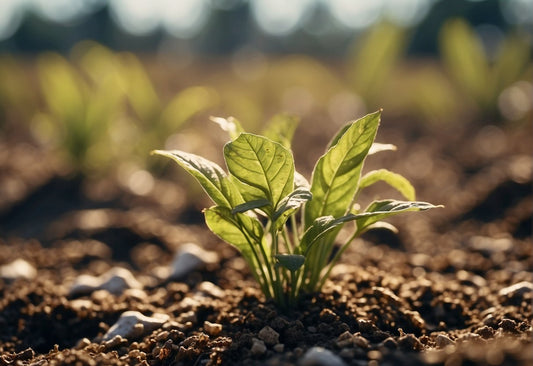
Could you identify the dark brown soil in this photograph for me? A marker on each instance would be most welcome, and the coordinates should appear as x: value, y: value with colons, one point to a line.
x: 436, y: 293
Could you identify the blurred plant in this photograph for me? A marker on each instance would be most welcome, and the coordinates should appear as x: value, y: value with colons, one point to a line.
x: 285, y: 228
x: 78, y: 113
x: 473, y: 71
x: 153, y: 119
x: 101, y: 101
x: 17, y: 99
x: 432, y: 97
x: 373, y: 59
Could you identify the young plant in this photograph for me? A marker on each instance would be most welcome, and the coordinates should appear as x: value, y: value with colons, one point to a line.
x: 284, y: 227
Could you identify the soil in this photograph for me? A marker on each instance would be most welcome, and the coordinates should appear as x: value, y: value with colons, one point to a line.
x: 438, y: 292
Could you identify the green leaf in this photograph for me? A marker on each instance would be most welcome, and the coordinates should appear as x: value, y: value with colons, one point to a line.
x: 231, y: 125
x: 382, y: 225
x: 378, y: 210
x: 290, y: 204
x: 212, y: 178
x: 292, y: 262
x: 374, y: 213
x: 339, y: 134
x: 262, y: 165
x: 320, y: 226
x: 337, y: 172
x: 393, y: 179
x: 464, y: 57
x: 239, y: 230
x: 300, y: 181
x: 281, y: 129
x: 250, y: 205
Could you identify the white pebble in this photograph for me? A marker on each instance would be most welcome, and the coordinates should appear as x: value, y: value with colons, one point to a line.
x: 210, y: 289
x: 318, y: 356
x: 133, y: 324
x: 115, y: 281
x: 190, y: 257
x: 19, y: 268
x: 519, y: 288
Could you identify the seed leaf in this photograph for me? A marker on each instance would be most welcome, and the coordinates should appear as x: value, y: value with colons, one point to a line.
x: 393, y: 179
x: 262, y: 165
x: 337, y: 172
x: 211, y: 177
x: 292, y: 262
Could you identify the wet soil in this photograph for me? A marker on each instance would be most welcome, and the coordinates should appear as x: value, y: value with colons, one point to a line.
x: 453, y: 287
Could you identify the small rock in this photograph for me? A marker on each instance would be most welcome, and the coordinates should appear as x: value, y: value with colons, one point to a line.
x: 490, y: 320
x: 415, y: 319
x: 133, y: 324
x: 190, y: 257
x: 328, y: 316
x: 81, y: 304
x: 390, y: 343
x: 189, y: 316
x: 518, y: 289
x: 469, y: 337
x: 344, y: 340
x: 24, y: 355
x: 410, y: 342
x: 278, y: 323
x: 210, y: 289
x: 318, y: 356
x: 374, y: 355
x: 361, y: 341
x: 82, y: 343
x: 485, y: 331
x: 366, y: 326
x: 258, y: 347
x: 279, y: 348
x: 115, y: 281
x: 115, y: 342
x: 387, y: 295
x: 269, y: 336
x: 19, y: 268
x: 442, y: 341
x: 347, y: 353
x: 508, y: 325
x: 490, y: 245
x: 213, y: 329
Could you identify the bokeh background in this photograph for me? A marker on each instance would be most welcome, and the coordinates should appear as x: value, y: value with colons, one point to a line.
x: 92, y: 86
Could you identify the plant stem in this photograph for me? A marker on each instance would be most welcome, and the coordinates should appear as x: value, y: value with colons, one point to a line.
x: 336, y: 259
x: 288, y: 244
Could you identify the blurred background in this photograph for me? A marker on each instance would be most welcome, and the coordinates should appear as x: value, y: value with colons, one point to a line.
x: 90, y: 87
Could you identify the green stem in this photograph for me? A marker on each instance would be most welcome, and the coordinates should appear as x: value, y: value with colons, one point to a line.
x: 277, y: 282
x: 264, y: 283
x: 288, y: 245
x: 295, y: 233
x: 336, y: 259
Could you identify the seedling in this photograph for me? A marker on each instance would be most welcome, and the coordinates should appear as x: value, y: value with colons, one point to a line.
x: 284, y: 227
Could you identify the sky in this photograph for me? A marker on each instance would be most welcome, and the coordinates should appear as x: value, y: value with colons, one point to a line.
x: 185, y: 18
